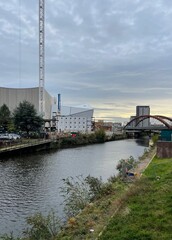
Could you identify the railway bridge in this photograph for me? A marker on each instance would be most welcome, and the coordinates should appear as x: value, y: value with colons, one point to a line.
x: 135, y: 126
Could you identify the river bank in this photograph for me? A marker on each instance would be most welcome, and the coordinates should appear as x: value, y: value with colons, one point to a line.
x: 138, y: 210
x: 95, y: 221
x: 31, y: 183
x: 8, y: 148
x: 145, y: 212
x: 96, y: 217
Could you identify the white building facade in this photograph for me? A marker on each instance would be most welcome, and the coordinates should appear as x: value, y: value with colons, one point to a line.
x: 73, y: 124
x: 75, y: 119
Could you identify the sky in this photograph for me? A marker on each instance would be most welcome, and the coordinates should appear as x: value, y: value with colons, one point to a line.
x: 110, y: 54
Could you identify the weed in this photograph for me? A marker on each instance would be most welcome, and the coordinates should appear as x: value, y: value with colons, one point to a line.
x: 42, y: 228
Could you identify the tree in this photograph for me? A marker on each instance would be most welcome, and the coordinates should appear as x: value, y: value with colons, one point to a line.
x: 5, y: 117
x: 26, y: 118
x: 100, y: 135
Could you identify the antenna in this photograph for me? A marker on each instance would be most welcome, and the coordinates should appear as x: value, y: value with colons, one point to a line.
x: 41, y: 58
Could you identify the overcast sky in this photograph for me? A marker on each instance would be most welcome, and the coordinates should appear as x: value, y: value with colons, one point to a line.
x: 111, y: 54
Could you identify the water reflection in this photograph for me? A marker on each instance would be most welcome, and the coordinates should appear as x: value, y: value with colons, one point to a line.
x: 30, y: 184
x: 143, y: 142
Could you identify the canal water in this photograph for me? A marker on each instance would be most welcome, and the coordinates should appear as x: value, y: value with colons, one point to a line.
x: 30, y: 183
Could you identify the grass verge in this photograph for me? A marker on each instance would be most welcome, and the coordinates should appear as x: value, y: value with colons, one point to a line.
x: 146, y: 212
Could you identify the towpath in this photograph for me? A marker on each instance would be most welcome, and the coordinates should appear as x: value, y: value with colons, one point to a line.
x: 144, y: 163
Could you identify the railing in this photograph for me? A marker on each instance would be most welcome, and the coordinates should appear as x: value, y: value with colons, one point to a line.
x: 8, y: 145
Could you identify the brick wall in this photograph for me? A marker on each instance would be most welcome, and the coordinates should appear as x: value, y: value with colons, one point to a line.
x: 164, y: 149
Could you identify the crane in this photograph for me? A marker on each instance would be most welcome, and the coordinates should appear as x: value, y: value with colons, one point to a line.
x: 41, y: 58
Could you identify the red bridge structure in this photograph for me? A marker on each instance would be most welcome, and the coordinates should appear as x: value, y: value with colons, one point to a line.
x: 165, y: 123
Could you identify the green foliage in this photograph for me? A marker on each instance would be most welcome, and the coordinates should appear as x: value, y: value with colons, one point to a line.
x: 43, y: 228
x: 5, y: 117
x: 113, y: 179
x: 11, y: 127
x: 26, y: 118
x: 80, y: 139
x: 155, y: 138
x: 95, y: 186
x: 125, y: 165
x: 9, y: 237
x: 76, y: 195
x: 79, y: 192
x: 92, y: 138
x: 100, y: 135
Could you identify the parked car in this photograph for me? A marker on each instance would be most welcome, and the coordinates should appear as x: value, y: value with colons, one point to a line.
x: 14, y: 136
x: 5, y: 136
x: 9, y: 136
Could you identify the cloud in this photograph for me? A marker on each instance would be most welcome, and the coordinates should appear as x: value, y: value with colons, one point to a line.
x: 99, y: 52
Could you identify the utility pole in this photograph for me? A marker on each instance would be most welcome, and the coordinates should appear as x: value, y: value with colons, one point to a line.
x: 41, y: 58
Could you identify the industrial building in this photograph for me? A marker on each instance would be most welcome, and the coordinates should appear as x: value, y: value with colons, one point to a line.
x: 62, y: 119
x: 13, y: 96
x: 75, y: 119
x: 140, y: 111
x: 133, y: 123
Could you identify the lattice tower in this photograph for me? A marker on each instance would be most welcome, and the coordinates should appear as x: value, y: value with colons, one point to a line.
x: 41, y: 57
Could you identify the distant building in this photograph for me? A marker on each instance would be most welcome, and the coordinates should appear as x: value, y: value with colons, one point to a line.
x: 117, y: 126
x: 57, y: 117
x: 133, y: 123
x: 75, y: 119
x: 13, y: 96
x: 140, y: 111
x: 73, y: 124
x: 107, y: 126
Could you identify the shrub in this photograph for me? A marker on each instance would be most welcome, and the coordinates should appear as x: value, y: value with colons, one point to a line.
x: 8, y: 237
x: 125, y: 165
x: 100, y: 135
x: 95, y: 186
x: 79, y: 192
x: 42, y: 227
x: 76, y: 195
x: 155, y: 138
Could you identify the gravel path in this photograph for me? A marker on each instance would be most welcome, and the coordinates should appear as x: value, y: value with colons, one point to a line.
x: 143, y: 164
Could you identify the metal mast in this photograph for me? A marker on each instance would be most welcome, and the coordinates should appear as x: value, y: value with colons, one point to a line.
x: 41, y: 57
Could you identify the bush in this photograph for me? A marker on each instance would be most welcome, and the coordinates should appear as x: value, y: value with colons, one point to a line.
x: 155, y: 138
x: 76, y: 195
x: 79, y: 192
x: 95, y: 186
x: 100, y: 135
x: 43, y: 228
x: 125, y: 165
x: 8, y: 237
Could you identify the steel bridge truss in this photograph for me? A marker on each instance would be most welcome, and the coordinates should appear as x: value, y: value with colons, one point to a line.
x: 160, y: 118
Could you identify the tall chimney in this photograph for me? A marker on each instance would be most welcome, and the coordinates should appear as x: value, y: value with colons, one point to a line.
x: 59, y: 103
